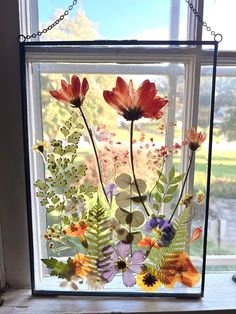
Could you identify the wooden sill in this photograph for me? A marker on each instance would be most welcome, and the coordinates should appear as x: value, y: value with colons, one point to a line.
x: 220, y: 297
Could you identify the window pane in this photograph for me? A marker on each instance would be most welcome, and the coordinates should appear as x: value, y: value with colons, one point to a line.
x: 141, y: 156
x: 220, y: 16
x: 102, y: 19
x: 222, y: 224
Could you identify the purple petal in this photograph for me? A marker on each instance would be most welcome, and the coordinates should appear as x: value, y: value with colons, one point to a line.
x: 123, y: 249
x: 108, y: 275
x: 137, y: 257
x: 110, y: 252
x: 136, y: 261
x: 128, y: 279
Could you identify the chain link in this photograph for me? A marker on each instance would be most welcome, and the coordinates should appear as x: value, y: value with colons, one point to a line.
x: 217, y: 37
x: 23, y: 38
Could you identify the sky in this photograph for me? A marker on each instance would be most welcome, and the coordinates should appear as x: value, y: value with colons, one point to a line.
x: 117, y: 18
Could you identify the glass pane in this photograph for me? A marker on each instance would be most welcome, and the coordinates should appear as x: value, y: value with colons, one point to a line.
x: 111, y: 19
x: 220, y: 16
x: 223, y: 182
x: 120, y: 174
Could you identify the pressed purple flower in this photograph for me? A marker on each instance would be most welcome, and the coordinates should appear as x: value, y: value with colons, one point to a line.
x: 163, y: 228
x: 110, y: 190
x: 120, y: 261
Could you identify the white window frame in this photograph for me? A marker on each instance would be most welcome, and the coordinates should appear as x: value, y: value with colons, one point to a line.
x: 16, y: 210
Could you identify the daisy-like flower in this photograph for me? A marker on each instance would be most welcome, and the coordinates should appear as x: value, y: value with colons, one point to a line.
x: 195, y: 139
x: 162, y: 228
x: 134, y: 104
x: 40, y: 146
x: 73, y: 93
x: 120, y: 261
x: 181, y: 270
x: 148, y: 281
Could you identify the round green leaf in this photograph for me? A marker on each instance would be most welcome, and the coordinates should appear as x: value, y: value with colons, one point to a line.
x: 123, y: 199
x: 136, y: 218
x: 141, y: 185
x: 123, y: 180
x: 157, y: 197
x: 172, y: 189
x: 121, y: 215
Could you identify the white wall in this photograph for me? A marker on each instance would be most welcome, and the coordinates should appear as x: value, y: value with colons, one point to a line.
x: 12, y: 182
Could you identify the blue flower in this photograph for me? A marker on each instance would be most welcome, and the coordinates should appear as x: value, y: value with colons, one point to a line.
x: 163, y: 228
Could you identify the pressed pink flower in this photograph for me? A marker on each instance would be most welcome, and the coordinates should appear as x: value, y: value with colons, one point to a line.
x: 73, y: 93
x: 134, y: 104
x: 195, y: 139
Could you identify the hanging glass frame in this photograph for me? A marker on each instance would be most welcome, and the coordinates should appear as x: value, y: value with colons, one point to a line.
x: 118, y: 141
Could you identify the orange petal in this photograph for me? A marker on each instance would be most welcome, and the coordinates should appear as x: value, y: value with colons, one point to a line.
x: 196, y: 235
x: 59, y: 96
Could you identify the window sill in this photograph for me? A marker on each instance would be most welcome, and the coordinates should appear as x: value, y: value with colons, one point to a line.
x: 220, y: 297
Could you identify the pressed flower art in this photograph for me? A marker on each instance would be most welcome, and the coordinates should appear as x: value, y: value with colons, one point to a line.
x: 117, y: 205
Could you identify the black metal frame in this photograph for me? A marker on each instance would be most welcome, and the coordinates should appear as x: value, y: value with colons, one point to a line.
x: 172, y: 43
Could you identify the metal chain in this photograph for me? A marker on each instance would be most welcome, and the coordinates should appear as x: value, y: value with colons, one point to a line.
x: 23, y: 38
x: 217, y: 37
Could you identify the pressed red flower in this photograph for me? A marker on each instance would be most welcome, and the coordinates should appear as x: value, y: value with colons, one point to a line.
x: 134, y: 104
x: 73, y: 93
x: 195, y: 139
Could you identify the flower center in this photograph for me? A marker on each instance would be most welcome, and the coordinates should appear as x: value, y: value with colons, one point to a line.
x: 121, y: 266
x: 132, y: 114
x: 149, y: 280
x: 76, y: 103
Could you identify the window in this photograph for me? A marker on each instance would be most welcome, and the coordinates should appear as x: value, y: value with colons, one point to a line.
x: 217, y: 225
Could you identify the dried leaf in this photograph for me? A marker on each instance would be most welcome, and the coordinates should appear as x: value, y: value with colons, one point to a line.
x: 123, y: 180
x: 141, y: 185
x: 123, y: 199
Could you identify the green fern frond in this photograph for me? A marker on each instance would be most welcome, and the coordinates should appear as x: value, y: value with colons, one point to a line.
x: 97, y: 235
x: 163, y: 260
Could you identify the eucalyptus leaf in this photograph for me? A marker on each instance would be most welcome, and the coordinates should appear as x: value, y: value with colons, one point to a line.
x: 121, y: 215
x: 123, y: 180
x: 123, y: 199
x: 136, y: 218
x: 137, y: 199
x: 141, y: 185
x: 134, y: 237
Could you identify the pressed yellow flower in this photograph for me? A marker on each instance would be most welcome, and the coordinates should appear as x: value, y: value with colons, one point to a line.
x: 187, y: 200
x: 148, y: 281
x: 200, y: 197
x: 40, y: 146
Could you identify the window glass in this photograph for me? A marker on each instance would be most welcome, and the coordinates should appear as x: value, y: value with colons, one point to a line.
x: 223, y: 182
x: 220, y: 16
x: 102, y: 19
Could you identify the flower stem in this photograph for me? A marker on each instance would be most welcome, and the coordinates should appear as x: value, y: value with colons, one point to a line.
x: 95, y: 152
x: 182, y: 190
x: 132, y: 167
x: 162, y: 167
